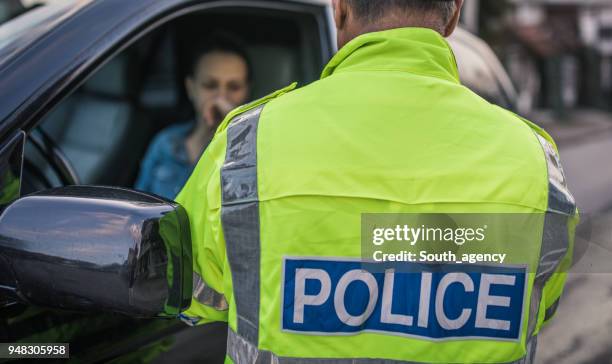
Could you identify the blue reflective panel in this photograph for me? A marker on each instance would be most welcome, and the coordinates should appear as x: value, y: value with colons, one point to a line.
x: 335, y: 297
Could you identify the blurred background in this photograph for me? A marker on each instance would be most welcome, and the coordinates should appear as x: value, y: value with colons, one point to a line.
x: 558, y: 54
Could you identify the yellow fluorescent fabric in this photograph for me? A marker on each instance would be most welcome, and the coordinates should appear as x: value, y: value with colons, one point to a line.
x: 388, y: 128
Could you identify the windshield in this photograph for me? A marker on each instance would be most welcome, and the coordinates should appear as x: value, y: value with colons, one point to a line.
x: 22, y: 21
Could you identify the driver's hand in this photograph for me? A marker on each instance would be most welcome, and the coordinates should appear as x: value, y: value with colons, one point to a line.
x: 215, y: 112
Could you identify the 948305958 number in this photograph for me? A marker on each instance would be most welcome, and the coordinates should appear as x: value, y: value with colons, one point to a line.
x: 54, y: 350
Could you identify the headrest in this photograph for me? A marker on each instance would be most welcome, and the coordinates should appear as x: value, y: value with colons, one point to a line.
x: 111, y: 80
x: 274, y: 67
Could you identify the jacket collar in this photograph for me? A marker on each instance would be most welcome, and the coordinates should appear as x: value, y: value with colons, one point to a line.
x: 414, y: 50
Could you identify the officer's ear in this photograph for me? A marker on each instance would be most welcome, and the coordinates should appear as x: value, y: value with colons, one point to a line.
x: 342, y: 16
x: 452, y: 25
x: 340, y: 13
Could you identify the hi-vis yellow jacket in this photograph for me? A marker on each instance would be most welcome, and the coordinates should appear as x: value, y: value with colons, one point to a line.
x: 277, y: 206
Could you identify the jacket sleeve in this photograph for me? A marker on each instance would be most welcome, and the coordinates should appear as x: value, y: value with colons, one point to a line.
x: 201, y: 198
x: 553, y: 289
x: 555, y: 285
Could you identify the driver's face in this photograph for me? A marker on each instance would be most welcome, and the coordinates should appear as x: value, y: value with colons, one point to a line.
x: 219, y: 78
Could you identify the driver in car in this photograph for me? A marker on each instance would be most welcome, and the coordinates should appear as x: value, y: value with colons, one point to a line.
x: 218, y: 82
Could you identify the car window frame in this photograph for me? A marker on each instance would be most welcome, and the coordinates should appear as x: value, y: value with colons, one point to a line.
x: 185, y: 9
x: 41, y: 101
x: 103, y: 57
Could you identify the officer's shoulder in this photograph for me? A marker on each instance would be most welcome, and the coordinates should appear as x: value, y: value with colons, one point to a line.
x: 536, y: 129
x: 244, y: 109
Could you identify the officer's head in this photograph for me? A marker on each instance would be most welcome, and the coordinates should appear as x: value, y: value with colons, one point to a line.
x: 355, y: 17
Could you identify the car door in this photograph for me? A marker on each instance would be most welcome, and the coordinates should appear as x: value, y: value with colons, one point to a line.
x: 111, y: 116
x: 112, y: 80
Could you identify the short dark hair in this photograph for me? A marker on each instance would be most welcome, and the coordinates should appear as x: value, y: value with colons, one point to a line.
x: 219, y: 42
x: 372, y: 10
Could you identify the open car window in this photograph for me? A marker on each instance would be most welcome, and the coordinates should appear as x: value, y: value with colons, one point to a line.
x: 105, y: 126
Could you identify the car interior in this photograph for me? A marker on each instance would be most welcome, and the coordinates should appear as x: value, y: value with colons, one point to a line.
x: 103, y: 128
x: 99, y: 133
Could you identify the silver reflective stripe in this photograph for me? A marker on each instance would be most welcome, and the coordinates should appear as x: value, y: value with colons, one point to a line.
x: 529, y: 358
x: 239, y: 172
x: 242, y: 352
x: 560, y: 199
x: 240, y: 219
x: 555, y: 239
x: 206, y: 295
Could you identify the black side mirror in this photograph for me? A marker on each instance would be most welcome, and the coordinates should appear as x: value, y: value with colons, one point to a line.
x: 96, y: 249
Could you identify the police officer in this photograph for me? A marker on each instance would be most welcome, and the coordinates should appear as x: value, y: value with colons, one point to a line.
x: 275, y: 206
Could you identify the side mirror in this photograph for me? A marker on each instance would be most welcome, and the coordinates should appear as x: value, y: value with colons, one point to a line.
x: 96, y: 249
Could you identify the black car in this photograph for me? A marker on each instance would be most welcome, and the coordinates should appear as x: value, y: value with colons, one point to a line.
x: 84, y: 87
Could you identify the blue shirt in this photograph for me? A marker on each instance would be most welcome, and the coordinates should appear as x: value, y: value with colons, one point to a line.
x: 166, y: 166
